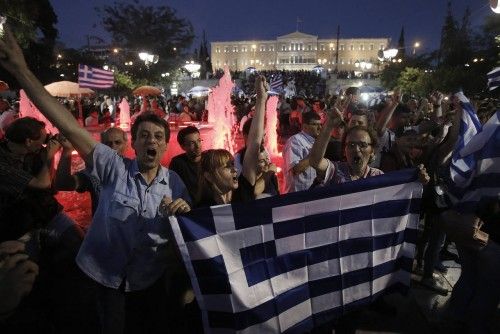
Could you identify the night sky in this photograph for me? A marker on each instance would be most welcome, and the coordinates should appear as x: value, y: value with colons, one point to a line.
x: 266, y: 19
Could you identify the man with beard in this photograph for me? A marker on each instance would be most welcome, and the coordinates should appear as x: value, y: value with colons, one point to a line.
x: 124, y: 250
x: 187, y: 164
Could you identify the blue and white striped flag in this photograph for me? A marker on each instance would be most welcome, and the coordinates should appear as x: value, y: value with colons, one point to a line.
x: 484, y: 148
x: 287, y: 264
x: 493, y: 78
x: 462, y: 167
x: 276, y: 83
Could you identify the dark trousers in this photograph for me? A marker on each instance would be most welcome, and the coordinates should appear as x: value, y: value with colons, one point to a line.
x: 143, y: 311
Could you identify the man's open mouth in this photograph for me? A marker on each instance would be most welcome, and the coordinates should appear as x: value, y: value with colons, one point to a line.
x: 151, y: 153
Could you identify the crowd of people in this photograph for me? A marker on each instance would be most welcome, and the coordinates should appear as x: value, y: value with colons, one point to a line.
x: 126, y: 261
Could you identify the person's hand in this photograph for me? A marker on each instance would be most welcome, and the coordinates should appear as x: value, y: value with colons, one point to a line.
x: 52, y: 147
x: 261, y: 87
x: 169, y: 207
x: 397, y: 96
x: 65, y: 143
x: 17, y: 275
x: 334, y: 116
x: 11, y: 55
x: 436, y: 98
x: 423, y: 177
x: 342, y: 104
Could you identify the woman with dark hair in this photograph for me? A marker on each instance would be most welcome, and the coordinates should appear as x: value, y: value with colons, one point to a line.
x: 219, y: 181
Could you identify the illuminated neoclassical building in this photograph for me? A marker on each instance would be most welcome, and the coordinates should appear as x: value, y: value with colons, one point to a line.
x: 298, y: 51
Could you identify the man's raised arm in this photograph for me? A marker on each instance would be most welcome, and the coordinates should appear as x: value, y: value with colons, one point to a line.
x: 12, y: 59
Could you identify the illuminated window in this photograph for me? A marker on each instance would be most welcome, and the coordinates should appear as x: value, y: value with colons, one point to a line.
x: 217, y: 50
x: 271, y: 48
x: 244, y: 48
x: 382, y: 46
x: 361, y: 47
x: 309, y: 47
x: 322, y: 47
x: 235, y: 49
x: 283, y: 47
x: 371, y: 46
x: 262, y: 48
x: 342, y: 47
x: 351, y: 47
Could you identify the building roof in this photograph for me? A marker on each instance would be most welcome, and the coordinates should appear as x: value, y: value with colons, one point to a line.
x: 297, y: 34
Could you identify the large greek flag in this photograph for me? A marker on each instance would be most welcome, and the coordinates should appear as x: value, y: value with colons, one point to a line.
x: 286, y: 264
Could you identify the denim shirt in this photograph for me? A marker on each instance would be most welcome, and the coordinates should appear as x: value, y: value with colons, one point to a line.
x: 297, y: 148
x: 127, y: 239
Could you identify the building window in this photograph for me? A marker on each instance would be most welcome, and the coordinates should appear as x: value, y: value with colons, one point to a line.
x: 217, y: 50
x: 226, y: 49
x: 381, y: 46
x: 322, y: 47
x: 235, y: 49
x: 351, y: 47
x: 251, y: 61
x: 217, y: 63
x: 342, y: 61
x: 271, y: 48
x: 350, y: 62
x: 283, y: 47
x: 361, y: 47
x: 342, y: 47
x: 262, y: 48
x: 371, y: 47
x: 244, y: 48
x: 309, y: 47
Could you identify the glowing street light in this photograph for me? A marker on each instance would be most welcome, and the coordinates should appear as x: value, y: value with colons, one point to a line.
x: 415, y: 47
x: 193, y: 69
x: 495, y: 6
x: 148, y: 58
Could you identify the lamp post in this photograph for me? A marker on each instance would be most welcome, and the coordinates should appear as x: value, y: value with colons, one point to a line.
x: 148, y: 58
x: 415, y: 47
x: 193, y: 69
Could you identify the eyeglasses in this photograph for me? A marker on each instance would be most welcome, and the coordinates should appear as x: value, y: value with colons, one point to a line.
x: 361, y: 144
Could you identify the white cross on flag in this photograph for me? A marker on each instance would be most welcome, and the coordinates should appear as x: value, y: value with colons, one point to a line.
x: 92, y: 77
x: 287, y: 264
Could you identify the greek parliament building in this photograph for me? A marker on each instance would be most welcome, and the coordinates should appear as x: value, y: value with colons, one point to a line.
x: 298, y: 51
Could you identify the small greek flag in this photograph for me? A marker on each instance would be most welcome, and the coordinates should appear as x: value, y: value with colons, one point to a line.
x: 493, y: 78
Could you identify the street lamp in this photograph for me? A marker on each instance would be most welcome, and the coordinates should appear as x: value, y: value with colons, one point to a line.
x: 415, y: 47
x: 148, y: 58
x: 193, y: 69
x: 495, y: 6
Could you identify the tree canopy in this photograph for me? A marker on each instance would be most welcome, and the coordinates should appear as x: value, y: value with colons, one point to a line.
x: 156, y: 30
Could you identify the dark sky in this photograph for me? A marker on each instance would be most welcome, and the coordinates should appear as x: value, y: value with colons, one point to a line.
x: 266, y: 19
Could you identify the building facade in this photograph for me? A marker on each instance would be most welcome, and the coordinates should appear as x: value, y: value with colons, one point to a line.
x: 299, y: 51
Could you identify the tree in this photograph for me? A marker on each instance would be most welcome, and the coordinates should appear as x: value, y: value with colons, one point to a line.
x: 414, y: 81
x: 449, y: 39
x: 33, y: 23
x: 204, y: 57
x: 401, y: 44
x: 156, y: 30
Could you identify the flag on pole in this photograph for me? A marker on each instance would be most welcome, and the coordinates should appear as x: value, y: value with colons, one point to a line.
x: 293, y: 262
x: 462, y: 167
x: 484, y: 150
x: 92, y: 77
x: 276, y: 84
x: 494, y: 78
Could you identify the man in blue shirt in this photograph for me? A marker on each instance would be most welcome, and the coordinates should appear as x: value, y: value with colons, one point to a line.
x: 124, y: 250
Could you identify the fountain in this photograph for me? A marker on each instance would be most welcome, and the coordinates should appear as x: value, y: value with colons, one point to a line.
x: 124, y: 119
x: 271, y: 142
x: 221, y: 113
x: 28, y: 109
